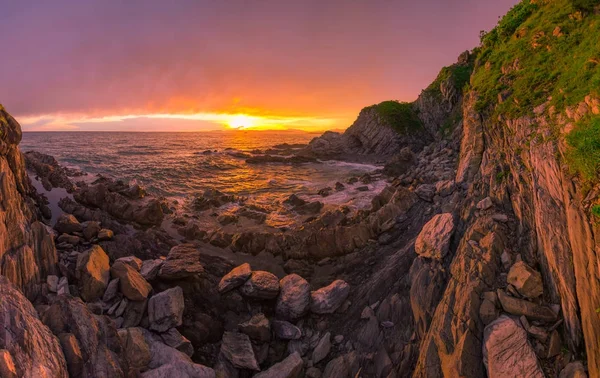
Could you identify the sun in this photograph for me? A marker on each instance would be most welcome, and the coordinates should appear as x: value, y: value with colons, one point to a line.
x: 241, y: 121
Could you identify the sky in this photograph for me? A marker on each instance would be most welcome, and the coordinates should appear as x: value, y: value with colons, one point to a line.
x: 192, y: 65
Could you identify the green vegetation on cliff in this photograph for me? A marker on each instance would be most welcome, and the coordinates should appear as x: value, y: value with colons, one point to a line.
x: 459, y: 74
x: 539, y: 52
x: 400, y: 115
x: 584, y: 155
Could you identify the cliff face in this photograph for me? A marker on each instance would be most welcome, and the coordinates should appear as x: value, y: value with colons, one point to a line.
x: 27, y: 252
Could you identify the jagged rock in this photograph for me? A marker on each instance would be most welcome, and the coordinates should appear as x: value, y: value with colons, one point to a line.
x: 7, y: 365
x: 313, y: 372
x: 290, y: 367
x: 182, y: 261
x: 134, y: 311
x: 73, y: 356
x: 73, y: 240
x: 237, y: 349
x: 257, y: 328
x: 425, y: 192
x: 237, y: 277
x: 286, y: 330
x: 522, y: 307
x: 338, y: 367
x: 52, y: 282
x: 93, y: 273
x: 67, y: 224
x: 294, y: 297
x: 573, y: 369
x: 132, y: 284
x: 322, y: 349
x: 261, y: 285
x: 63, y: 286
x: 537, y: 332
x: 132, y: 261
x: 151, y: 268
x: 554, y: 344
x: 434, y: 239
x: 137, y: 350
x: 506, y: 351
x: 165, y: 309
x: 91, y: 230
x: 33, y: 350
x: 111, y: 290
x: 329, y: 298
x: 176, y: 340
x: 96, y: 335
x: 485, y: 204
x: 105, y: 234
x: 526, y: 280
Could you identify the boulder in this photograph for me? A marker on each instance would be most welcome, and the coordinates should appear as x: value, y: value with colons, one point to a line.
x: 183, y: 261
x: 237, y: 277
x: 257, y: 328
x: 176, y: 340
x: 105, y: 234
x: 506, y: 351
x: 151, y: 268
x: 132, y: 261
x: 93, y: 273
x: 425, y: 192
x: 573, y: 369
x: 137, y: 350
x: 322, y: 349
x: 290, y: 367
x: 165, y: 309
x: 286, y: 330
x: 488, y: 312
x: 329, y: 298
x: 91, y: 229
x: 132, y: 284
x: 434, y: 239
x: 111, y: 290
x: 485, y: 204
x: 526, y: 280
x: 237, y: 349
x: 27, y: 347
x: 67, y: 224
x: 531, y: 310
x: 294, y: 297
x: 52, y: 282
x: 261, y: 285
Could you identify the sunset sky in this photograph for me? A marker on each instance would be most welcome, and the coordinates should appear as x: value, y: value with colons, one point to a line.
x: 146, y: 65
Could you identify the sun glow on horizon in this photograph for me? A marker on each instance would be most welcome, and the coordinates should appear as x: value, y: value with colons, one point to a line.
x: 242, y: 121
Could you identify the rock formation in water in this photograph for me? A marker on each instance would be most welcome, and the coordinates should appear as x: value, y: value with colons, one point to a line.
x: 480, y: 258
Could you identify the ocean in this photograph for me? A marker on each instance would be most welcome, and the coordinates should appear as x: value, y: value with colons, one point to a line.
x: 180, y: 165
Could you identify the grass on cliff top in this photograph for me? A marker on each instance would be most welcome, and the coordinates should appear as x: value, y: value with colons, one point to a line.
x: 459, y: 74
x: 400, y: 115
x: 583, y: 156
x: 553, y: 44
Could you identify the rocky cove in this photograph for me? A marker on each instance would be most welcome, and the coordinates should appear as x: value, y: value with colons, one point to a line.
x: 476, y: 256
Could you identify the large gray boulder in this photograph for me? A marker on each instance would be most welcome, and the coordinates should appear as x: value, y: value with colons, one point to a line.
x: 329, y: 298
x: 294, y: 297
x: 434, y: 239
x: 165, y: 309
x: 506, y: 351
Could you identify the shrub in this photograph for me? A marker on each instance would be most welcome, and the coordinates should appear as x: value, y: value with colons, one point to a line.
x: 400, y: 115
x: 583, y: 155
x: 585, y: 5
x: 596, y: 211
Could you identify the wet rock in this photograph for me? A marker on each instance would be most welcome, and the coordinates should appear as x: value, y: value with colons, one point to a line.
x: 362, y: 188
x: 93, y: 273
x: 322, y: 349
x: 132, y: 284
x: 531, y: 310
x: 506, y: 351
x: 132, y: 261
x: 434, y: 239
x: 26, y: 345
x: 526, y: 280
x: 67, y: 224
x: 290, y: 367
x: 257, y: 328
x: 237, y: 277
x: 329, y: 298
x: 339, y: 186
x: 325, y: 192
x: 294, y: 297
x: 573, y: 370
x: 237, y: 349
x: 182, y: 261
x: 425, y: 192
x: 176, y: 340
x: 105, y: 234
x: 294, y: 201
x: 165, y: 309
x: 261, y: 285
x: 309, y: 208
x: 286, y: 330
x: 151, y: 268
